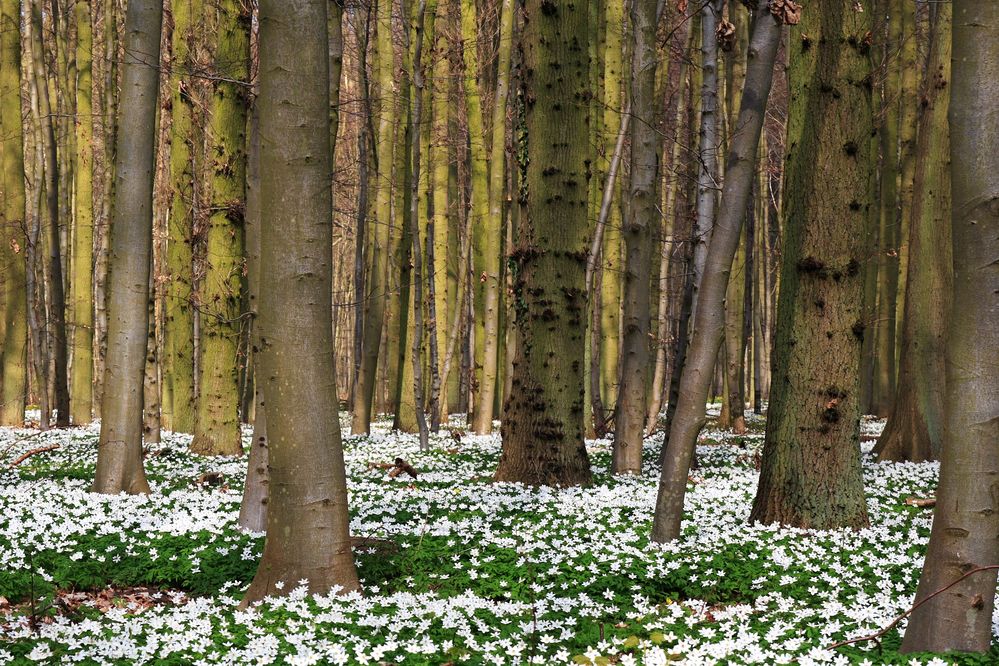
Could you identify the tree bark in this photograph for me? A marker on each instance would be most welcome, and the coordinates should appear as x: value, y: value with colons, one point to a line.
x: 13, y: 236
x: 811, y: 472
x: 965, y: 520
x: 216, y: 429
x: 119, y: 453
x: 307, y: 518
x: 629, y: 421
x: 709, y: 317
x: 915, y: 428
x: 543, y: 431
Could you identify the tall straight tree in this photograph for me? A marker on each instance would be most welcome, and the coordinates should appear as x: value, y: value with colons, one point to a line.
x: 915, y: 428
x: 178, y: 368
x: 543, y: 429
x: 307, y: 519
x: 82, y: 284
x: 811, y: 475
x: 13, y: 241
x: 119, y: 452
x: 709, y: 318
x: 216, y: 429
x: 631, y: 401
x: 377, y: 294
x: 965, y: 520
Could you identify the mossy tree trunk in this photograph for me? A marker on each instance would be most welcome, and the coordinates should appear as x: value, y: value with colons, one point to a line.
x: 119, y: 453
x: 216, y: 430
x: 543, y: 430
x: 915, y: 428
x: 185, y: 145
x: 13, y: 241
x: 811, y: 474
x: 307, y: 519
x: 965, y: 520
x: 82, y: 284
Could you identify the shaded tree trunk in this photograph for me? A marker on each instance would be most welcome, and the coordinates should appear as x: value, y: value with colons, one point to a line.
x: 709, y: 317
x: 119, y: 453
x: 965, y: 520
x: 915, y: 428
x: 811, y: 473
x: 543, y: 431
x: 307, y: 519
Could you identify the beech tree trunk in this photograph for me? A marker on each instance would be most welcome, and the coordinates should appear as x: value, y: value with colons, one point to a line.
x: 216, y: 429
x: 307, y: 518
x: 965, y: 520
x: 543, y: 431
x: 709, y: 317
x: 811, y: 473
x: 119, y: 453
x: 13, y: 240
x: 915, y: 428
x: 629, y: 421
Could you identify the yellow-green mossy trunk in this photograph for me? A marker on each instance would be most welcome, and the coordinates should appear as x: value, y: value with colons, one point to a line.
x: 216, y: 430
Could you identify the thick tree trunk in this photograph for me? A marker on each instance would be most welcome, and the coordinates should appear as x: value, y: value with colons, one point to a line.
x: 307, y: 518
x: 811, y: 474
x: 216, y: 430
x: 13, y: 239
x: 82, y: 285
x: 629, y: 422
x: 965, y: 520
x: 709, y: 317
x: 543, y: 431
x: 915, y: 428
x: 119, y: 453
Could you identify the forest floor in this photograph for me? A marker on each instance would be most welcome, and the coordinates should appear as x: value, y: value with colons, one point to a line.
x: 455, y: 568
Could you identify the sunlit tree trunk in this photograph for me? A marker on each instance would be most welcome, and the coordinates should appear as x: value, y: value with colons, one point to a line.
x: 184, y: 146
x: 119, y: 454
x: 543, y: 429
x: 82, y: 284
x: 965, y: 520
x: 13, y: 241
x: 811, y: 474
x: 307, y: 519
x: 216, y: 429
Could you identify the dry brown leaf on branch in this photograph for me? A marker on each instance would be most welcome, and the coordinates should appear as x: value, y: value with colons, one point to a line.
x: 786, y: 11
x: 726, y: 35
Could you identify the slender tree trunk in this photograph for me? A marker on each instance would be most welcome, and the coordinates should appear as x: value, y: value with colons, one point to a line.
x: 629, y: 421
x: 56, y: 324
x: 80, y: 406
x: 965, y: 520
x: 216, y: 430
x: 13, y: 230
x: 915, y: 428
x: 151, y: 378
x: 307, y: 519
x: 811, y: 473
x: 184, y: 145
x: 119, y: 454
x: 377, y: 294
x: 253, y: 508
x: 709, y: 317
x: 543, y: 431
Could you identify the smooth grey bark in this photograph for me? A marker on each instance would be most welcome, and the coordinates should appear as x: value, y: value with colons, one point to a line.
x: 709, y: 316
x: 966, y: 517
x: 119, y: 453
x: 308, y: 525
